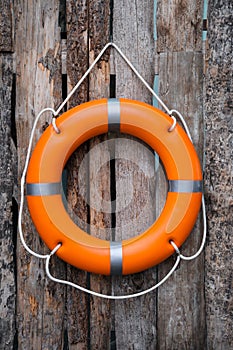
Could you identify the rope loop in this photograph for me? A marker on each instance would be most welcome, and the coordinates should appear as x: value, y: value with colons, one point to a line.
x: 100, y: 295
x: 194, y: 256
x: 23, y: 179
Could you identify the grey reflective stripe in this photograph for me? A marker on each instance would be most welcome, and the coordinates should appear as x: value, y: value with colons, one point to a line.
x: 116, y: 258
x: 184, y: 186
x: 113, y: 114
x: 43, y: 189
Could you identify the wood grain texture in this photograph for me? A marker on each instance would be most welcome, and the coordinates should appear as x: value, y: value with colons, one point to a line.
x: 181, y: 322
x: 179, y: 25
x: 135, y: 320
x: 40, y: 304
x: 6, y: 26
x: 87, y: 33
x: 7, y: 181
x: 100, y: 226
x: 99, y: 173
x: 77, y: 64
x: 218, y: 179
x: 181, y: 319
x: 77, y: 48
x: 77, y: 302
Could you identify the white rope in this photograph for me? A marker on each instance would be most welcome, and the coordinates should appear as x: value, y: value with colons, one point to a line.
x: 141, y: 78
x: 182, y: 121
x: 106, y: 296
x: 23, y: 179
x: 172, y: 127
x: 57, y: 130
x: 183, y: 257
x: 129, y: 64
x: 22, y: 183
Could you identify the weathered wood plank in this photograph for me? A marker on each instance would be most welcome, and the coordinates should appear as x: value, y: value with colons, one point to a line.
x: 6, y: 26
x: 100, y: 226
x: 77, y: 302
x: 179, y: 25
x: 181, y: 299
x: 77, y: 48
x: 181, y: 88
x: 99, y: 167
x: 7, y: 178
x: 40, y: 304
x: 218, y: 179
x: 77, y: 64
x: 179, y: 29
x: 88, y: 31
x: 135, y: 320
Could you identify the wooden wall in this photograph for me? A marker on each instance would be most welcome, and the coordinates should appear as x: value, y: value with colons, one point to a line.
x: 45, y: 47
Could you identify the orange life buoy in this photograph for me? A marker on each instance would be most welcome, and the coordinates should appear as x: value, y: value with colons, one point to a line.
x: 44, y: 186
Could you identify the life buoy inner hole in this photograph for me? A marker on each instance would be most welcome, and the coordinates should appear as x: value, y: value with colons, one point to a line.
x: 114, y: 186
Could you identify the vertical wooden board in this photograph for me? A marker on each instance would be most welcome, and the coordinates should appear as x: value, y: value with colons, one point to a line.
x: 181, y: 88
x: 100, y: 226
x: 86, y: 23
x: 40, y: 304
x: 77, y: 167
x: 77, y: 48
x: 135, y: 320
x: 179, y: 25
x: 7, y: 174
x: 181, y: 319
x: 99, y: 32
x: 218, y: 177
x: 6, y: 26
x: 78, y: 302
x: 132, y: 32
x: 99, y: 173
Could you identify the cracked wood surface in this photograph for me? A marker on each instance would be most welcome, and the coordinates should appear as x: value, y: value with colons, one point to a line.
x: 40, y: 303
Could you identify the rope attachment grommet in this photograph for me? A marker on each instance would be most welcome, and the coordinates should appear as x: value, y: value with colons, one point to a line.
x: 55, y: 127
x: 58, y: 246
x: 172, y: 127
x: 175, y: 247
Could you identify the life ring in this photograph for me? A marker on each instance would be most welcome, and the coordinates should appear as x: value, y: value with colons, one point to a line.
x: 182, y: 168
